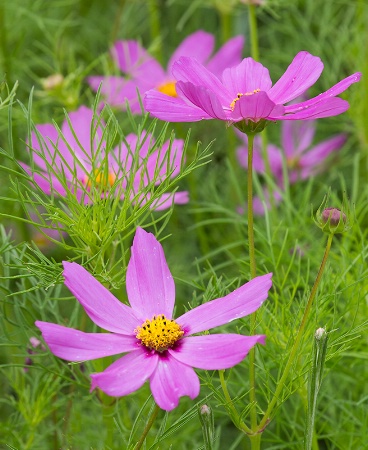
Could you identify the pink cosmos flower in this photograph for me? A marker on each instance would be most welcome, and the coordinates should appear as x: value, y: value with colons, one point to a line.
x: 83, y: 163
x: 302, y: 159
x: 146, y: 73
x: 159, y: 348
x: 245, y: 94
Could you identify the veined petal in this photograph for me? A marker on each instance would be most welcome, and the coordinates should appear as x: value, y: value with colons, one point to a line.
x: 228, y: 55
x: 239, y: 303
x: 303, y: 72
x: 329, y: 107
x: 246, y: 77
x: 172, y: 380
x: 202, y: 98
x: 102, y: 307
x: 134, y: 60
x: 319, y: 153
x: 337, y: 89
x: 172, y: 109
x: 297, y: 136
x: 253, y: 107
x: 149, y: 283
x: 74, y: 345
x: 198, y: 45
x: 215, y: 351
x: 188, y: 70
x: 127, y: 374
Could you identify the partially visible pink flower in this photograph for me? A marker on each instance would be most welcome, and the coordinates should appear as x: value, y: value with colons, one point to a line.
x: 303, y: 160
x: 146, y: 73
x: 159, y: 348
x: 245, y: 96
x: 83, y: 162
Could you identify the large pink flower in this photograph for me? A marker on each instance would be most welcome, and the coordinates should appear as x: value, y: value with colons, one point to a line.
x: 82, y: 161
x: 146, y: 73
x: 245, y: 93
x: 159, y: 348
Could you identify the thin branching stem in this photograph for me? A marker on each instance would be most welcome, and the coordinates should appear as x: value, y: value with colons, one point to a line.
x: 147, y: 427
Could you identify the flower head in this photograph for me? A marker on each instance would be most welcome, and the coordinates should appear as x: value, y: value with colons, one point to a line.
x: 83, y: 162
x: 159, y: 348
x: 245, y: 96
x: 146, y: 73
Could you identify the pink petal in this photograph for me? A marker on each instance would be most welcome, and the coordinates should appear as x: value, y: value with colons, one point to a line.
x: 228, y: 55
x: 134, y: 60
x: 172, y: 380
x: 215, y: 351
x: 127, y: 374
x: 102, y: 307
x: 330, y: 107
x: 46, y: 148
x: 337, y: 89
x: 259, y: 204
x: 254, y: 107
x: 47, y: 182
x: 303, y: 72
x: 188, y: 70
x: 321, y: 151
x: 202, y: 98
x: 297, y: 136
x: 167, y: 200
x: 239, y: 303
x: 198, y: 45
x: 246, y: 77
x: 150, y: 286
x: 172, y: 109
x: 74, y: 345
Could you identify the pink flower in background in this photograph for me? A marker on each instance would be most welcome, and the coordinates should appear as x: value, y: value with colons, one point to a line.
x: 83, y: 165
x: 159, y: 348
x: 146, y: 73
x: 245, y: 93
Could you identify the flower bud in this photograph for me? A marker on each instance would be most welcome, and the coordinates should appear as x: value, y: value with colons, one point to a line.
x: 333, y: 220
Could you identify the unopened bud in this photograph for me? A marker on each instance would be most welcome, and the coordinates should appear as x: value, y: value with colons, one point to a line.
x: 334, y: 220
x: 52, y: 82
x: 208, y: 426
x: 320, y: 332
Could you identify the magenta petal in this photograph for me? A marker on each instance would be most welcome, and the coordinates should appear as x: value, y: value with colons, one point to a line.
x: 330, y: 107
x: 337, y: 89
x: 166, y: 200
x: 215, y: 351
x: 203, y: 98
x: 150, y: 286
x: 228, y: 55
x: 297, y: 136
x: 74, y: 345
x: 303, y: 72
x: 253, y: 107
x: 127, y: 374
x: 320, y: 152
x: 172, y: 109
x: 172, y: 380
x: 48, y: 183
x: 198, y: 45
x: 246, y: 77
x: 188, y: 70
x: 239, y: 303
x: 103, y: 308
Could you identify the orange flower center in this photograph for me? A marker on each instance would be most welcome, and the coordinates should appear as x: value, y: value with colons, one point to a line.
x: 100, y: 178
x: 168, y: 88
x: 159, y: 333
x: 239, y: 95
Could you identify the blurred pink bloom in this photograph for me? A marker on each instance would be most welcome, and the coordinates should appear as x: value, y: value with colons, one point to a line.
x: 146, y: 73
x: 74, y: 158
x: 160, y: 349
x: 245, y: 93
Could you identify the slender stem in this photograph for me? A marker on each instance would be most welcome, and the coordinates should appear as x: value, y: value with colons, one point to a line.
x: 298, y: 338
x: 147, y: 427
x: 238, y: 422
x: 252, y: 258
x: 253, y: 32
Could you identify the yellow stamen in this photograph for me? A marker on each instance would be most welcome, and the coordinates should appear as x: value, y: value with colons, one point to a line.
x: 101, y: 179
x: 239, y: 95
x: 293, y: 163
x: 168, y: 88
x: 159, y: 333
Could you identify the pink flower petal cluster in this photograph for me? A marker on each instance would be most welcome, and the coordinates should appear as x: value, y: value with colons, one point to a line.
x: 146, y: 73
x: 302, y: 159
x: 151, y: 293
x: 245, y: 93
x: 75, y: 155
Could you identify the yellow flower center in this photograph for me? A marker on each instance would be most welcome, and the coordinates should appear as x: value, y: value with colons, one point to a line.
x: 159, y: 333
x: 168, y: 88
x: 293, y: 163
x: 101, y: 178
x: 239, y: 95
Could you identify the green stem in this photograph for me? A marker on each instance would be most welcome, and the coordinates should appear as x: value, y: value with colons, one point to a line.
x: 294, y: 349
x: 147, y: 427
x: 254, y: 49
x: 154, y: 17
